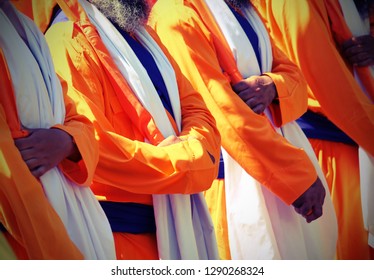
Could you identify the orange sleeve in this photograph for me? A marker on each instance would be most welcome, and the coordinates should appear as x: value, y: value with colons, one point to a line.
x: 82, y: 131
x: 309, y: 43
x: 185, y: 167
x: 24, y: 209
x: 291, y: 88
x: 248, y: 137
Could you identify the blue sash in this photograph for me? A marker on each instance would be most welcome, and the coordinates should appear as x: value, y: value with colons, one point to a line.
x: 317, y: 126
x: 221, y: 170
x: 151, y: 67
x: 249, y: 31
x: 130, y: 217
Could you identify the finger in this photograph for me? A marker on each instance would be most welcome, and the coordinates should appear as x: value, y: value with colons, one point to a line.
x: 32, y: 163
x: 349, y: 43
x: 315, y: 214
x: 39, y: 171
x: 27, y: 154
x: 259, y: 108
x: 364, y: 63
x: 252, y: 102
x: 23, y: 143
x: 246, y: 94
x: 250, y: 84
x: 305, y: 208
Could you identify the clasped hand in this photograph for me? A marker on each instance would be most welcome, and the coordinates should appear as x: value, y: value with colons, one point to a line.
x: 309, y: 204
x: 44, y: 149
x: 257, y: 92
x: 359, y: 51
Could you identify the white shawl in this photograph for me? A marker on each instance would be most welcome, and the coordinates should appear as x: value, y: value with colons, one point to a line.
x: 184, y: 226
x: 40, y: 104
x: 359, y: 26
x: 260, y: 225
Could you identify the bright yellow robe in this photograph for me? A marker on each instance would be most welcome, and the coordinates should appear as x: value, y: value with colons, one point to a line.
x: 248, y: 137
x: 311, y: 28
x: 129, y: 169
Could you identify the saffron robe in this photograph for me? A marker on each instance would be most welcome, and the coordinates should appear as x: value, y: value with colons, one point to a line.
x: 334, y: 93
x: 248, y: 137
x: 184, y: 168
x: 26, y: 213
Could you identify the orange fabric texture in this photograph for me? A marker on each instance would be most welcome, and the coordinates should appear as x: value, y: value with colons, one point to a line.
x: 312, y: 28
x: 248, y: 137
x: 135, y: 246
x: 339, y: 163
x: 129, y: 169
x: 37, y: 10
x: 333, y: 91
x: 25, y: 211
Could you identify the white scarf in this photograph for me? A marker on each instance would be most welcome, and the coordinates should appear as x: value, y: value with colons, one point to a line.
x: 260, y: 225
x: 359, y: 27
x: 184, y: 226
x: 40, y: 104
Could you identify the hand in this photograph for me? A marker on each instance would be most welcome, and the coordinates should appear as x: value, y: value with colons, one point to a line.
x: 44, y: 149
x: 359, y: 51
x: 257, y: 92
x: 309, y: 204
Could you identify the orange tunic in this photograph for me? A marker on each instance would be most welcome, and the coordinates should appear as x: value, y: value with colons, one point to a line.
x: 248, y: 137
x: 129, y: 169
x: 33, y: 226
x: 191, y: 37
x: 333, y: 91
x: 314, y: 28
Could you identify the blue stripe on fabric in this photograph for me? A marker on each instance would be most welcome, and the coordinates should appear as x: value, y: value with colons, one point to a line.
x: 317, y: 126
x: 221, y: 170
x: 150, y: 65
x: 130, y: 217
x: 250, y: 32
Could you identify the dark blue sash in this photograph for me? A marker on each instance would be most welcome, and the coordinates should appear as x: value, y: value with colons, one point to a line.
x: 317, y: 126
x: 250, y: 32
x: 129, y: 217
x: 221, y: 170
x: 150, y: 65
x: 126, y: 217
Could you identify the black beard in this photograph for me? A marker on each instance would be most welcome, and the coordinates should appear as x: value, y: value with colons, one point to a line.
x: 127, y: 14
x: 238, y: 4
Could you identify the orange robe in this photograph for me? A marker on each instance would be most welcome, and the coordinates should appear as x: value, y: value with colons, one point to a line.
x: 129, y: 169
x: 34, y: 229
x: 311, y: 28
x: 249, y: 138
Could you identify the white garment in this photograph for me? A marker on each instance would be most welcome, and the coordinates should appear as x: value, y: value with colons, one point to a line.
x: 40, y: 104
x: 184, y: 226
x: 359, y: 27
x: 260, y: 225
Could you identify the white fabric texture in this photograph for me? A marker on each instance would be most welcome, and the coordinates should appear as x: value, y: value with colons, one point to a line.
x: 40, y: 104
x: 359, y: 26
x: 184, y: 226
x: 260, y: 225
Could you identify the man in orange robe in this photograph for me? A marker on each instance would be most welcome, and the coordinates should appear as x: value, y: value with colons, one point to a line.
x: 33, y: 228
x: 130, y: 170
x: 340, y: 116
x: 195, y: 41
